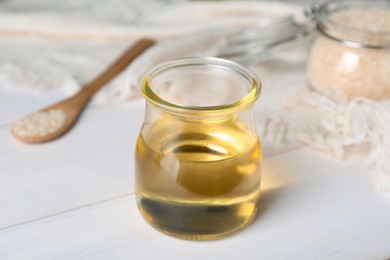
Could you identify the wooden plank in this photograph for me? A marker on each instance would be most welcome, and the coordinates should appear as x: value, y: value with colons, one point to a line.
x: 92, y: 163
x: 311, y: 208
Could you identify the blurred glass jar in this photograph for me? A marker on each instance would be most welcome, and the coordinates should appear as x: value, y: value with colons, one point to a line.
x: 198, y: 156
x: 351, y: 52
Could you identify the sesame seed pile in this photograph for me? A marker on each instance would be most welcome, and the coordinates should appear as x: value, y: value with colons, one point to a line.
x: 40, y: 123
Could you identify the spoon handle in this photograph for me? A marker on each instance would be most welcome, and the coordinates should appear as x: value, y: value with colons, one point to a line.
x: 117, y: 66
x: 75, y: 103
x: 29, y: 129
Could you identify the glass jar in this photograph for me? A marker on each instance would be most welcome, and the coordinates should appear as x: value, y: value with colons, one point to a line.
x: 351, y: 53
x: 198, y: 155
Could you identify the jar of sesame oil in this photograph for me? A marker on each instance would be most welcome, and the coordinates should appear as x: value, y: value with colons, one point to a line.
x: 198, y: 156
x: 351, y: 52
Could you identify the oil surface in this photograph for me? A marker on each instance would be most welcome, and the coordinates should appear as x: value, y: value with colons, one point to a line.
x: 197, y: 181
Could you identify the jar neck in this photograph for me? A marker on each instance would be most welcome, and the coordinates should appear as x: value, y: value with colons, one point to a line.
x: 156, y: 112
x: 200, y: 88
x: 359, y: 24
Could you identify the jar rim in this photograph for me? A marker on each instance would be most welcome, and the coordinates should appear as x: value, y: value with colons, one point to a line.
x: 335, y: 30
x: 246, y: 101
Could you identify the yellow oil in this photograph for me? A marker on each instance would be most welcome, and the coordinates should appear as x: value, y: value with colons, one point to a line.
x: 197, y: 181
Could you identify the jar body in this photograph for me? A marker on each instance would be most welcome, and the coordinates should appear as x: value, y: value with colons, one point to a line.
x: 197, y: 176
x: 351, y: 53
x: 354, y: 71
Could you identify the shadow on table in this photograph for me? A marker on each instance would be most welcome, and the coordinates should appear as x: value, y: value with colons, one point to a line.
x: 267, y: 199
x: 277, y: 179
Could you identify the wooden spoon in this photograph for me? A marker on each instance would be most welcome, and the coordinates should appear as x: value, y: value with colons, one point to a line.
x: 55, y: 120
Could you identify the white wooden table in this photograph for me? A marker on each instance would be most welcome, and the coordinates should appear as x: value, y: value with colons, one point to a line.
x: 74, y: 198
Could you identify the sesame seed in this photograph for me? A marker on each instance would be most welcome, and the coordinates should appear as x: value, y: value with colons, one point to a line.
x: 40, y: 124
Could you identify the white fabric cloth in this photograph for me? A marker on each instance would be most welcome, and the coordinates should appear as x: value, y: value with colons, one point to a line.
x: 46, y: 44
x: 50, y: 44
